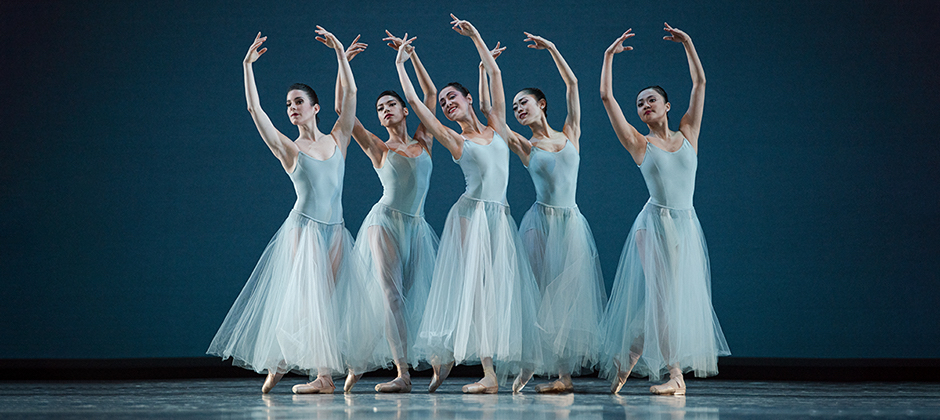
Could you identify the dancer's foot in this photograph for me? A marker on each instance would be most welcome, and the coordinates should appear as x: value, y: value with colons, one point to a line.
x: 674, y: 386
x: 351, y: 379
x: 323, y: 385
x: 270, y: 381
x: 487, y: 385
x: 399, y: 384
x: 441, y: 372
x: 521, y: 380
x: 557, y: 387
x: 620, y: 379
x: 623, y: 374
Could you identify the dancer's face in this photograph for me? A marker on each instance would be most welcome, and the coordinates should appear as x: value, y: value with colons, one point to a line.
x: 390, y: 111
x: 651, y: 106
x: 453, y: 102
x: 300, y: 109
x: 527, y: 109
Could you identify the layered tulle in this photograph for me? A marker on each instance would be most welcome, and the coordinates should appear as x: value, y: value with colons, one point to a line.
x: 565, y: 262
x: 286, y: 317
x: 484, y: 299
x: 660, y: 305
x: 398, y: 252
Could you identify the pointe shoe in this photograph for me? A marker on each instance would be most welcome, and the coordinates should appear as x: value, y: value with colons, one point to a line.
x: 270, y: 381
x: 397, y: 385
x: 557, y: 387
x: 313, y: 388
x: 440, y: 373
x: 351, y: 380
x: 619, y: 380
x: 478, y: 388
x: 520, y: 382
x: 674, y: 386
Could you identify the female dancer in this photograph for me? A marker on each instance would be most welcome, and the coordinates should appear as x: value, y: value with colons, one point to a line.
x: 557, y: 237
x: 484, y: 299
x: 285, y: 318
x: 660, y: 315
x: 396, y: 244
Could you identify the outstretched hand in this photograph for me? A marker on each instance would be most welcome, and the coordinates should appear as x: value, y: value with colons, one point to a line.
x: 254, y: 52
x: 355, y: 48
x: 403, y: 48
x: 463, y: 27
x: 675, y: 34
x: 617, y: 47
x: 395, y: 42
x: 328, y: 38
x: 497, y: 50
x: 538, y: 42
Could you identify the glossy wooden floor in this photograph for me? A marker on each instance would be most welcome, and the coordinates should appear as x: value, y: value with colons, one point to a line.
x: 241, y: 398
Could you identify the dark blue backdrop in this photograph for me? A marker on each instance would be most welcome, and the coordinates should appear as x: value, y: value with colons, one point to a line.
x: 136, y: 194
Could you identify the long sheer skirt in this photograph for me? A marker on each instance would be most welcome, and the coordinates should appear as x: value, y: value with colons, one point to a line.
x: 398, y: 251
x: 484, y: 299
x: 286, y: 318
x: 565, y: 262
x: 660, y: 306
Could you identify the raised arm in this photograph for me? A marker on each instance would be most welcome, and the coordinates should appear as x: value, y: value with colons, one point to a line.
x: 572, y: 128
x: 373, y: 146
x: 427, y: 87
x: 632, y: 140
x: 496, y: 118
x: 447, y: 137
x: 283, y: 148
x: 485, y: 104
x: 343, y: 128
x: 691, y: 122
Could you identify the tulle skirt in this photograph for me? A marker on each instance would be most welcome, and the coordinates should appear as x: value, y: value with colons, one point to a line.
x: 660, y: 305
x: 398, y: 252
x: 286, y: 317
x: 484, y: 299
x: 564, y: 259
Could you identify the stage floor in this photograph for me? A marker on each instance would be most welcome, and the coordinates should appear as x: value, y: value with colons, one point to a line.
x: 241, y: 398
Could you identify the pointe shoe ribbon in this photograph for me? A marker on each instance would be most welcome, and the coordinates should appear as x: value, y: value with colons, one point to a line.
x: 478, y: 388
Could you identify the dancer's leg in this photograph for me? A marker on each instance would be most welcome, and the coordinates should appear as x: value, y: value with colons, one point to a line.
x: 389, y: 271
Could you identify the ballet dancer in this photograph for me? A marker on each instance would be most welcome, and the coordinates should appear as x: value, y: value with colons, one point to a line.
x: 395, y: 242
x: 483, y: 303
x: 285, y: 319
x: 660, y: 316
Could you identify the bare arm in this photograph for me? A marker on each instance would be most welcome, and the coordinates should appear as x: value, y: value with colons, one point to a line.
x: 630, y: 138
x: 691, y: 122
x: 447, y: 137
x: 343, y: 128
x: 572, y: 128
x: 427, y: 88
x: 496, y: 118
x: 373, y: 146
x: 485, y: 104
x: 283, y: 148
